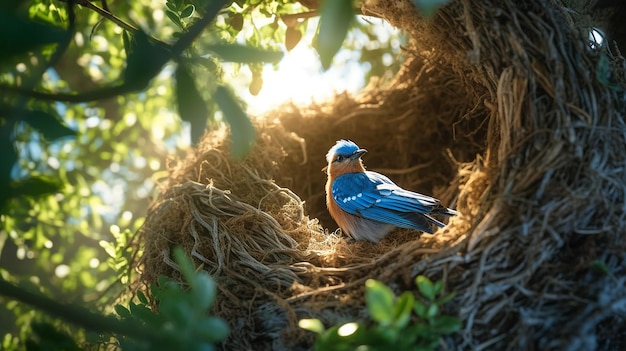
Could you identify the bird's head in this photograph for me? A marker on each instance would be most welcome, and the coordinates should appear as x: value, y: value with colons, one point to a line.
x: 344, y: 157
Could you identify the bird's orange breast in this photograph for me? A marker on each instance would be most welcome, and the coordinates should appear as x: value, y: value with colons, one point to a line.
x: 344, y: 220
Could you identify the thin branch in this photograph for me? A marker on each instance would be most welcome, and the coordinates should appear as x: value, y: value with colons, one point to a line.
x: 75, y: 314
x: 94, y: 95
x: 105, y: 13
x: 105, y: 5
x: 292, y: 17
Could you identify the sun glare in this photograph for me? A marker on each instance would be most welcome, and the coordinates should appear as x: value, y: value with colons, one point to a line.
x: 299, y: 77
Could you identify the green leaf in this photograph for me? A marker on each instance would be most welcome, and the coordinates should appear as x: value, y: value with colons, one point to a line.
x: 162, y: 282
x: 49, y: 125
x: 379, y: 299
x: 142, y: 298
x: 336, y: 17
x: 446, y: 324
x: 446, y: 298
x: 428, y: 7
x: 35, y: 186
x: 312, y: 324
x: 142, y: 313
x: 402, y: 309
x: 191, y: 106
x: 386, y: 334
x: 241, y: 129
x: 438, y: 287
x: 204, y: 290
x: 122, y: 311
x: 419, y: 308
x: 187, y: 11
x: 173, y: 16
x: 425, y: 287
x: 427, y: 339
x: 171, y: 6
x: 177, y: 311
x: 343, y: 337
x: 186, y: 266
x: 600, y: 266
x: 432, y: 311
x: 211, y: 329
x: 143, y: 61
x: 244, y: 54
x: 20, y: 34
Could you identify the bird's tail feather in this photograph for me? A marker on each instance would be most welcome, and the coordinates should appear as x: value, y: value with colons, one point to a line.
x: 420, y: 222
x: 424, y: 222
x: 443, y: 211
x: 434, y: 221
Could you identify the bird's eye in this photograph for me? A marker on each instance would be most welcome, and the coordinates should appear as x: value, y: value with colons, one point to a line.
x: 339, y: 158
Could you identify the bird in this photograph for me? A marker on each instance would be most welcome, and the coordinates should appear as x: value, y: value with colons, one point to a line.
x: 367, y: 205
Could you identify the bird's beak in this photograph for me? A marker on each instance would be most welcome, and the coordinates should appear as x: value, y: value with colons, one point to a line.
x: 357, y: 154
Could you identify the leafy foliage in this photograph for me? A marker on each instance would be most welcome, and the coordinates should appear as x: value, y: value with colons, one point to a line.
x: 30, y: 34
x: 182, y: 319
x: 400, y: 323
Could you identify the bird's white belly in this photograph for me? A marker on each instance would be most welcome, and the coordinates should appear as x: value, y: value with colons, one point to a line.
x: 365, y: 229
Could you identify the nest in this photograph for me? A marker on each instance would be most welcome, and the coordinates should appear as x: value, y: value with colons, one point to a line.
x: 504, y: 112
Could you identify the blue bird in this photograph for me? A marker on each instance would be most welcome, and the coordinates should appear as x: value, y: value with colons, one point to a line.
x: 367, y: 205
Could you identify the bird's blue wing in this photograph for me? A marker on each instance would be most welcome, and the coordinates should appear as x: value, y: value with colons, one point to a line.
x: 373, y: 196
x: 354, y: 192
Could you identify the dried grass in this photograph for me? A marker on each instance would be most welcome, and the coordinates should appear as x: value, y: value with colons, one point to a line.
x: 499, y: 112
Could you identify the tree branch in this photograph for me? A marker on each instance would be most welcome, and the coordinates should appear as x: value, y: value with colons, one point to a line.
x: 76, y: 315
x: 94, y: 95
x: 104, y: 12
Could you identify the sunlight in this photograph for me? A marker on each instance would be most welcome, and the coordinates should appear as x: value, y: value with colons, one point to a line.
x: 299, y: 77
x: 596, y: 37
x: 348, y: 329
